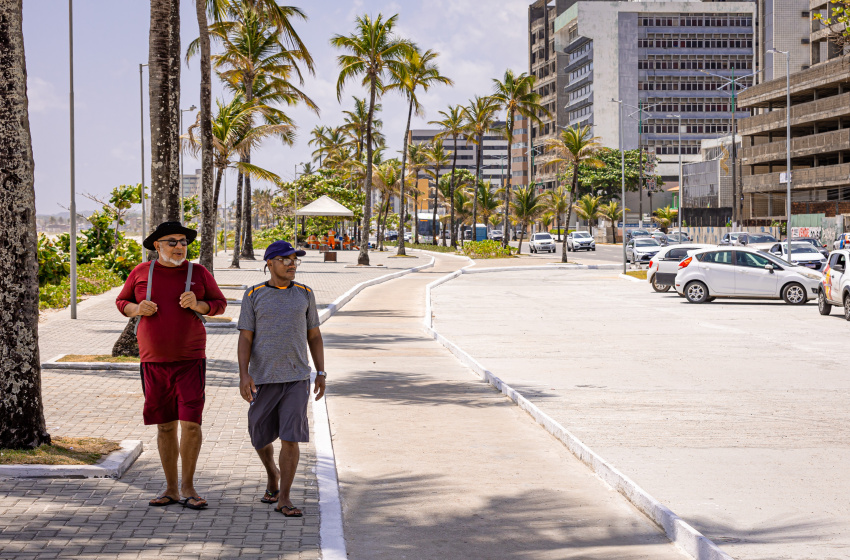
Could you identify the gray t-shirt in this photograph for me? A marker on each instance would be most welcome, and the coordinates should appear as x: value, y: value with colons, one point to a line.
x: 279, y: 319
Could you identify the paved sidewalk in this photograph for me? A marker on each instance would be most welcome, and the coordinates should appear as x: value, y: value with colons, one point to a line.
x: 107, y: 519
x: 433, y: 463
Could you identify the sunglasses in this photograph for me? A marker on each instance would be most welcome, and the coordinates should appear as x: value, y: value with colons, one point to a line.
x: 287, y: 261
x: 174, y: 242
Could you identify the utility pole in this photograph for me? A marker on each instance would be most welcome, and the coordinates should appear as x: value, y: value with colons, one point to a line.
x: 640, y: 164
x: 73, y: 171
x: 142, y: 130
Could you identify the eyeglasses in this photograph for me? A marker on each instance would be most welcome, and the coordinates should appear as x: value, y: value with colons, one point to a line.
x: 174, y: 242
x: 286, y: 261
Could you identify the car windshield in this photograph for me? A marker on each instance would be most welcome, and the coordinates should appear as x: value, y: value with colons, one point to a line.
x: 762, y: 238
x: 775, y: 259
x: 646, y: 243
x: 581, y: 234
x: 542, y: 236
x: 799, y: 248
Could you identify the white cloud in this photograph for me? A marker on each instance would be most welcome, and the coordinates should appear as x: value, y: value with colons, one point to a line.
x: 43, y: 96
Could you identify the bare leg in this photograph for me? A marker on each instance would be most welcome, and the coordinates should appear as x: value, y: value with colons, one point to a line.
x: 190, y: 448
x: 166, y: 442
x: 290, y: 453
x: 267, y: 457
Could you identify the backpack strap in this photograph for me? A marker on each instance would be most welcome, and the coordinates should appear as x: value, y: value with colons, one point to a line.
x: 189, y: 288
x: 147, y: 293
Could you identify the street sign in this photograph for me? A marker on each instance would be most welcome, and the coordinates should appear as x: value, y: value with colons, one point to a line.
x: 783, y: 180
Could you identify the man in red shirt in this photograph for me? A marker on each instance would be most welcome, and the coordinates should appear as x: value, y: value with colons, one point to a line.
x: 172, y: 348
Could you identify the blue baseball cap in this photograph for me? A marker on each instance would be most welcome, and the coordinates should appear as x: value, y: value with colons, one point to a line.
x: 281, y: 249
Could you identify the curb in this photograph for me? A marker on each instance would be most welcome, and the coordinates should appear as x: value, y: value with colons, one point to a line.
x: 631, y: 278
x: 54, y: 363
x: 113, y: 465
x: 680, y: 533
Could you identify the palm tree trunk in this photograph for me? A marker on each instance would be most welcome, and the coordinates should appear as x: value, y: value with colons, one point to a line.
x: 208, y: 213
x: 237, y: 223
x: 436, y: 193
x: 475, y: 190
x: 164, y: 90
x: 416, y: 215
x: 363, y: 257
x: 218, y: 173
x: 510, y: 137
x: 569, y: 212
x: 247, y: 241
x: 22, y: 424
x: 401, y: 250
x: 452, y: 194
x: 521, y: 233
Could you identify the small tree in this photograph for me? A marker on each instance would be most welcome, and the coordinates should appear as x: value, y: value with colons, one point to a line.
x: 612, y: 211
x: 587, y: 208
x: 526, y: 207
x: 664, y: 217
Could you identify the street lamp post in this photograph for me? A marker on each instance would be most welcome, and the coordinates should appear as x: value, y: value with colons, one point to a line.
x: 681, y: 189
x: 142, y: 137
x: 73, y: 185
x: 180, y: 154
x: 787, y: 147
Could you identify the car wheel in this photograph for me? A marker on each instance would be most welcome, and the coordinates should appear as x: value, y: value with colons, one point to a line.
x: 696, y: 292
x: 593, y: 249
x: 659, y: 287
x: 794, y: 294
x: 823, y: 306
x: 847, y: 306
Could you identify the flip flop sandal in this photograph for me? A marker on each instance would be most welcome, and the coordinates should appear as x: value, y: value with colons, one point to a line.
x: 270, y: 497
x: 155, y: 503
x: 290, y: 508
x: 186, y: 503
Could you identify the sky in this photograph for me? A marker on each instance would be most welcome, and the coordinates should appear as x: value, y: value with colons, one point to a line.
x: 477, y: 41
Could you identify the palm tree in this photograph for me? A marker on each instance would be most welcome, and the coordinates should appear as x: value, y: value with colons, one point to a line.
x: 260, y: 58
x: 587, y: 208
x: 355, y: 126
x: 526, y: 207
x: 319, y: 136
x: 418, y: 163
x: 480, y: 117
x: 487, y: 200
x: 387, y: 179
x: 557, y: 202
x: 208, y: 213
x: 454, y: 125
x: 263, y: 199
x: 576, y: 146
x: 438, y: 158
x: 21, y: 409
x: 418, y: 70
x: 516, y: 95
x: 612, y: 211
x: 664, y: 217
x: 494, y: 220
x: 373, y: 52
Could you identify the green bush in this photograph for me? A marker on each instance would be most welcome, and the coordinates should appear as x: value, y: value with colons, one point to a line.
x: 53, y: 263
x: 423, y: 246
x: 487, y: 249
x: 92, y: 279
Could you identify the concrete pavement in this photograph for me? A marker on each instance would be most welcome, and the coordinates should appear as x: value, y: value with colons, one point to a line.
x: 733, y: 414
x: 433, y: 463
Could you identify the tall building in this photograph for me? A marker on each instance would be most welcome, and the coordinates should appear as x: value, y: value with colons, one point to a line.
x: 784, y: 25
x: 520, y: 153
x: 661, y: 55
x: 547, y: 64
x: 192, y: 184
x: 822, y: 48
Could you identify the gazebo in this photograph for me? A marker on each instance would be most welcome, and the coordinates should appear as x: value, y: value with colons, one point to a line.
x: 322, y: 206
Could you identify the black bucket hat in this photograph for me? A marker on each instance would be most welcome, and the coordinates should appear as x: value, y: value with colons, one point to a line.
x: 167, y: 228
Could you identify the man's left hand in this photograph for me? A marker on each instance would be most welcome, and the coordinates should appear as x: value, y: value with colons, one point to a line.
x: 319, y: 386
x: 189, y: 300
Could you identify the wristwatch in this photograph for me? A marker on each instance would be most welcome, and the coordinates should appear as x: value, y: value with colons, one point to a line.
x: 322, y: 373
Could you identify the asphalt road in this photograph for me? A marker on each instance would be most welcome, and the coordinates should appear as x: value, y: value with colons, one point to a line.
x: 734, y: 414
x: 602, y: 254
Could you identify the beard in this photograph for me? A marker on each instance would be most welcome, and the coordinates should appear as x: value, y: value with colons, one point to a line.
x: 175, y: 262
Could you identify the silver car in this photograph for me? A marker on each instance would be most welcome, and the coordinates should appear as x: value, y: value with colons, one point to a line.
x: 542, y: 242
x: 641, y: 250
x: 580, y: 240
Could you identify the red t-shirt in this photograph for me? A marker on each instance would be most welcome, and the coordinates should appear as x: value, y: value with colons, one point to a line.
x: 173, y: 333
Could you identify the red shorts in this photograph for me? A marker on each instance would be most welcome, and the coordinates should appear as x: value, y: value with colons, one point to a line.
x: 173, y: 391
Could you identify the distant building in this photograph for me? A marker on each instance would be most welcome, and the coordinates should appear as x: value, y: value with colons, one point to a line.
x: 707, y: 185
x: 192, y: 184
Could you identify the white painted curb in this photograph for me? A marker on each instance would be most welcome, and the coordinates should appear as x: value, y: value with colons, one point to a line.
x: 113, y: 465
x: 54, y: 363
x: 631, y: 278
x: 691, y: 541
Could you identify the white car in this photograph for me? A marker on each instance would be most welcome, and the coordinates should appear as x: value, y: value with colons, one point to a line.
x: 542, y: 242
x: 744, y: 273
x: 579, y: 240
x: 802, y: 253
x: 640, y: 250
x: 663, y: 267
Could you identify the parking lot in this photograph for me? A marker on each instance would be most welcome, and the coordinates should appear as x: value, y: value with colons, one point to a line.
x: 733, y: 413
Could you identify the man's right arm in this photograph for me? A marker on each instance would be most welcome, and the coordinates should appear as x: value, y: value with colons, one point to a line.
x: 126, y: 300
x: 243, y: 353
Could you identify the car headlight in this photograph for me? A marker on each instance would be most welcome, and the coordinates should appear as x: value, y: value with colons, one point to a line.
x: 811, y: 276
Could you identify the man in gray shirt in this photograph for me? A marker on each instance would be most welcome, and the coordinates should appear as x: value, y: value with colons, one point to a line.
x: 278, y: 321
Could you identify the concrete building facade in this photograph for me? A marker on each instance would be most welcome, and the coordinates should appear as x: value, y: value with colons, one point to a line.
x: 657, y: 54
x: 784, y: 25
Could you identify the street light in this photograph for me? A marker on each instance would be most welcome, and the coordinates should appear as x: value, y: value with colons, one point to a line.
x: 192, y: 108
x: 73, y: 185
x: 142, y: 130
x: 787, y: 146
x: 622, y: 179
x: 681, y: 190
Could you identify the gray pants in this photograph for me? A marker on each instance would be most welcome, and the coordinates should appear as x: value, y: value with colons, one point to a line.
x: 279, y: 411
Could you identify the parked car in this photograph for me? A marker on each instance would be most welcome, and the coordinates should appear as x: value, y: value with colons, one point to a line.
x: 496, y: 235
x: 661, y: 237
x: 673, y: 237
x: 580, y: 240
x: 408, y: 235
x: 744, y: 272
x: 391, y: 236
x: 641, y: 250
x: 835, y: 286
x: 802, y: 253
x: 542, y: 242
x: 663, y: 267
x: 814, y: 242
x: 753, y: 240
x: 842, y: 241
x: 634, y: 233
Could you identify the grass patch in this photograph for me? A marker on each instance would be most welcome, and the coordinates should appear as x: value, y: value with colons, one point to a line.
x: 220, y: 319
x: 62, y: 451
x: 99, y: 358
x: 637, y: 274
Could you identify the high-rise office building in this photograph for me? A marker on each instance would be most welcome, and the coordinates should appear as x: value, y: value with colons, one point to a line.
x: 784, y: 25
